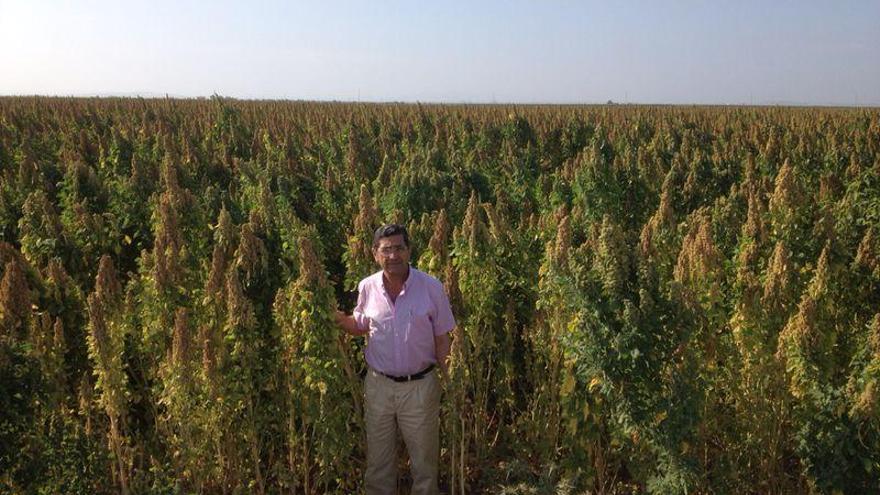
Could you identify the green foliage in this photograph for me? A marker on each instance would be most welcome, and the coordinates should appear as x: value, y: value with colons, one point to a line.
x: 649, y: 299
x: 321, y: 397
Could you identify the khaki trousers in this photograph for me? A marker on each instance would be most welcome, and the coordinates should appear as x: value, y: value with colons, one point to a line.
x: 414, y: 407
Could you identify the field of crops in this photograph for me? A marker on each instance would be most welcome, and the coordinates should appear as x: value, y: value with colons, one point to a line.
x: 650, y: 299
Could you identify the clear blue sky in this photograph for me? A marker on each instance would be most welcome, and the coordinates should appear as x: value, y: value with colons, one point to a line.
x: 805, y: 52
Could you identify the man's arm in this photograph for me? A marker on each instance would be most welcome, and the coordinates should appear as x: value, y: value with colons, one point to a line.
x: 441, y: 349
x: 348, y: 324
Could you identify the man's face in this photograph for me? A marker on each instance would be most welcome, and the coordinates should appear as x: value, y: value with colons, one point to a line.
x: 392, y: 254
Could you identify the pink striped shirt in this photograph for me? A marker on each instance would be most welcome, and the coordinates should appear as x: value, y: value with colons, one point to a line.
x: 401, y: 333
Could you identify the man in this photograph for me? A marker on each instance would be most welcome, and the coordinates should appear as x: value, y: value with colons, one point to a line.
x: 407, y: 319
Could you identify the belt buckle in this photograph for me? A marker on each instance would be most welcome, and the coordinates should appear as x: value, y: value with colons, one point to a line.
x: 409, y: 378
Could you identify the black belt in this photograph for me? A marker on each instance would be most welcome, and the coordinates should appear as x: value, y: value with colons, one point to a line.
x: 409, y: 378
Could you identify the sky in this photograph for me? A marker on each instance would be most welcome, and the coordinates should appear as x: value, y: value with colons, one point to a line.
x: 680, y: 52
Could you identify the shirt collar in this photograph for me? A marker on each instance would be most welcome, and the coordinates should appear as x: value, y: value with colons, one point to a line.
x: 406, y: 283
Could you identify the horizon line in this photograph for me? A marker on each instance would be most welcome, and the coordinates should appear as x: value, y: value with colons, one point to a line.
x: 149, y: 95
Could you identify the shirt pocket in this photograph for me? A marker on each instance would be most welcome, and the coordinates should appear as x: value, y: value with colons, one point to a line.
x: 419, y: 330
x: 420, y: 318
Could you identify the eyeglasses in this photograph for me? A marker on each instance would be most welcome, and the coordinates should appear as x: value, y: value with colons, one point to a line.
x: 389, y: 250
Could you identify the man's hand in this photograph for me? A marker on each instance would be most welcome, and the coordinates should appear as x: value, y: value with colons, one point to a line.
x: 347, y: 323
x: 441, y: 349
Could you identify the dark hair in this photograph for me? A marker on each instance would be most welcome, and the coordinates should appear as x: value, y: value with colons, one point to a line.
x: 389, y: 230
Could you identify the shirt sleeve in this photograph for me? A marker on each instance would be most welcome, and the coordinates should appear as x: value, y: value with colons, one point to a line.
x: 444, y: 321
x: 363, y: 322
